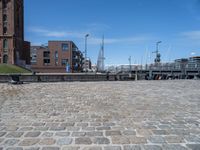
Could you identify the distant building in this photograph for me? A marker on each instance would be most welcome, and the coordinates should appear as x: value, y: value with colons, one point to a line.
x: 13, y: 48
x: 57, y: 57
x: 87, y: 65
x: 194, y: 62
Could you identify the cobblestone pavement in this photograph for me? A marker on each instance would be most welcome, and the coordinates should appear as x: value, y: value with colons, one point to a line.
x: 143, y: 115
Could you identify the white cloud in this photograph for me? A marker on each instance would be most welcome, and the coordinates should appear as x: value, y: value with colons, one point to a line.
x: 93, y: 40
x: 192, y: 34
x: 136, y: 39
x: 56, y: 34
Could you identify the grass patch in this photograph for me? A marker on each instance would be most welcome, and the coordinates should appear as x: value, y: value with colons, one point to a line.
x: 6, y: 68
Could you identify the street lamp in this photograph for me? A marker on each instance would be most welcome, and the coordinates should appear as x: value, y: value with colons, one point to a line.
x: 86, y: 36
x: 157, y: 60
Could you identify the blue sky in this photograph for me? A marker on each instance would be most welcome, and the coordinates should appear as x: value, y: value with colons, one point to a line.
x: 130, y: 27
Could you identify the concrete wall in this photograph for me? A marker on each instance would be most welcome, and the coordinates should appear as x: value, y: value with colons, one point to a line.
x: 59, y: 77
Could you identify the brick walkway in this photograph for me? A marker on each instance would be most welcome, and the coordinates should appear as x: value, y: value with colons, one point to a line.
x: 146, y: 115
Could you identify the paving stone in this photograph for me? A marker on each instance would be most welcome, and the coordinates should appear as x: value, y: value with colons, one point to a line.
x: 62, y: 134
x: 132, y: 147
x: 108, y: 124
x: 72, y: 128
x: 78, y: 134
x: 173, y: 147
x: 129, y: 132
x: 47, y: 141
x: 159, y: 132
x: 71, y: 148
x: 64, y: 141
x: 14, y: 134
x: 151, y: 147
x: 32, y: 134
x: 113, y: 133
x: 47, y: 134
x: 157, y: 139
x: 174, y: 139
x: 94, y: 133
x: 38, y: 124
x: 92, y: 148
x: 101, y: 140
x: 10, y: 142
x: 82, y: 124
x: 103, y: 128
x: 32, y: 148
x: 120, y: 140
x: 137, y: 140
x: 25, y: 129
x: 68, y: 124
x: 88, y: 128
x: 112, y: 148
x: 194, y: 146
x: 2, y: 134
x: 40, y: 128
x: 29, y: 142
x: 12, y: 128
x: 14, y: 148
x: 50, y: 148
x: 83, y: 140
x: 192, y: 138
x: 144, y: 132
x: 57, y: 128
x: 95, y: 124
x: 1, y: 140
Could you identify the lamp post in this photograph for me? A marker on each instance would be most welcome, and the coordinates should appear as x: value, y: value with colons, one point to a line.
x: 157, y: 60
x: 86, y: 36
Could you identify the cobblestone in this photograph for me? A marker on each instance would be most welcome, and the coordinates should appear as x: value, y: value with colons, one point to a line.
x: 29, y: 142
x: 86, y: 141
x: 112, y: 148
x: 146, y: 115
x: 101, y: 140
x: 64, y: 141
x: 32, y: 134
x: 132, y: 147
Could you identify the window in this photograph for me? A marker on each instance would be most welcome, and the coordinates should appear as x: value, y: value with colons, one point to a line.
x: 4, y: 30
x: 56, y: 54
x: 65, y: 47
x: 46, y: 62
x: 64, y: 62
x: 4, y: 18
x: 56, y: 57
x: 46, y: 54
x: 5, y: 59
x: 4, y: 4
x: 5, y: 44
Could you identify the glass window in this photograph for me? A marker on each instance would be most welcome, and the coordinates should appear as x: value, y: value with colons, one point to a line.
x: 5, y: 44
x: 56, y: 54
x: 64, y: 62
x: 4, y: 17
x: 65, y: 47
x: 46, y: 54
x: 46, y: 62
x: 4, y: 30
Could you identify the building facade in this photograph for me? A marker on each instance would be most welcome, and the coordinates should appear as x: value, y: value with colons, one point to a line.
x: 13, y: 48
x: 57, y: 57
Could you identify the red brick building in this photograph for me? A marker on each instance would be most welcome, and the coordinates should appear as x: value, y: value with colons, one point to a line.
x: 57, y: 57
x: 13, y: 48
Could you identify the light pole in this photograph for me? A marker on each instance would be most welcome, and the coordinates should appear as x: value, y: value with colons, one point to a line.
x: 86, y: 36
x: 157, y: 60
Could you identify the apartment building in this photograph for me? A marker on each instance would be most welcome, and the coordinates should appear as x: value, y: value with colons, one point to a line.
x: 57, y: 57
